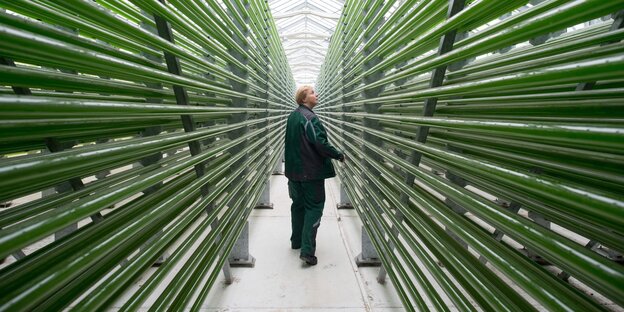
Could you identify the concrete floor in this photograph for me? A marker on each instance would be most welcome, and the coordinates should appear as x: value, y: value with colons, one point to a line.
x: 281, y: 282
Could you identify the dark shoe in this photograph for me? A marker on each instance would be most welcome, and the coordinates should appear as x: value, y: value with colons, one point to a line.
x: 295, y: 247
x: 311, y: 260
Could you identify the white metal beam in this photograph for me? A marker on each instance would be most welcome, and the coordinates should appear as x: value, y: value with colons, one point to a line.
x: 307, y: 12
x: 305, y: 35
x: 305, y: 27
x: 307, y: 51
x: 304, y: 58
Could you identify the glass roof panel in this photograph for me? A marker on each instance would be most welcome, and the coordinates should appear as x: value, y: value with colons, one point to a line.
x: 305, y: 27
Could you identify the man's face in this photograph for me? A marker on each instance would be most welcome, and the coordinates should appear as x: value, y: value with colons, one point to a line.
x: 311, y: 98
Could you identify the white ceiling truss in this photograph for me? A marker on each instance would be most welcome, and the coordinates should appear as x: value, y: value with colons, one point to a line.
x: 305, y: 27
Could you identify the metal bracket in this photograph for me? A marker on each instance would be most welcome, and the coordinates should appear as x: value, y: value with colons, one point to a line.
x: 239, y: 256
x: 369, y: 256
x: 278, y: 169
x: 345, y: 201
x: 265, y: 198
x: 227, y: 273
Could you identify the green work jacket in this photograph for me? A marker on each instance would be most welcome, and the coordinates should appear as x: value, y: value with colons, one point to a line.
x: 308, y: 154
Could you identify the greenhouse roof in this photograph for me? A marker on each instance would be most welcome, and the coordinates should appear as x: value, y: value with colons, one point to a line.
x: 305, y: 27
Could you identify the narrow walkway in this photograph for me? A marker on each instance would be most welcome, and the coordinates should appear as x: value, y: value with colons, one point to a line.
x: 281, y: 282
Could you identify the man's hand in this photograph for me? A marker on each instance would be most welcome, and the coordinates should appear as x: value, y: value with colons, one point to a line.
x: 343, y: 158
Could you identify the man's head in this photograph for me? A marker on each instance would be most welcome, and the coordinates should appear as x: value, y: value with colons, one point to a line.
x: 306, y: 96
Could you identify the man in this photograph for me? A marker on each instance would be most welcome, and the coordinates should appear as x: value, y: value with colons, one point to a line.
x: 307, y: 164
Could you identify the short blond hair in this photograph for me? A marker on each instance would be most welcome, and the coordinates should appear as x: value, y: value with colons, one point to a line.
x: 301, y: 93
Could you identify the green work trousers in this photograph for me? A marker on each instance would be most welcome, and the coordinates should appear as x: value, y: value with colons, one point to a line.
x: 307, y: 208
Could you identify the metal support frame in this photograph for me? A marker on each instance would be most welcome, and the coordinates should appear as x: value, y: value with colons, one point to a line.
x: 243, y: 240
x: 163, y: 29
x: 437, y: 78
x: 153, y: 131
x: 367, y: 257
